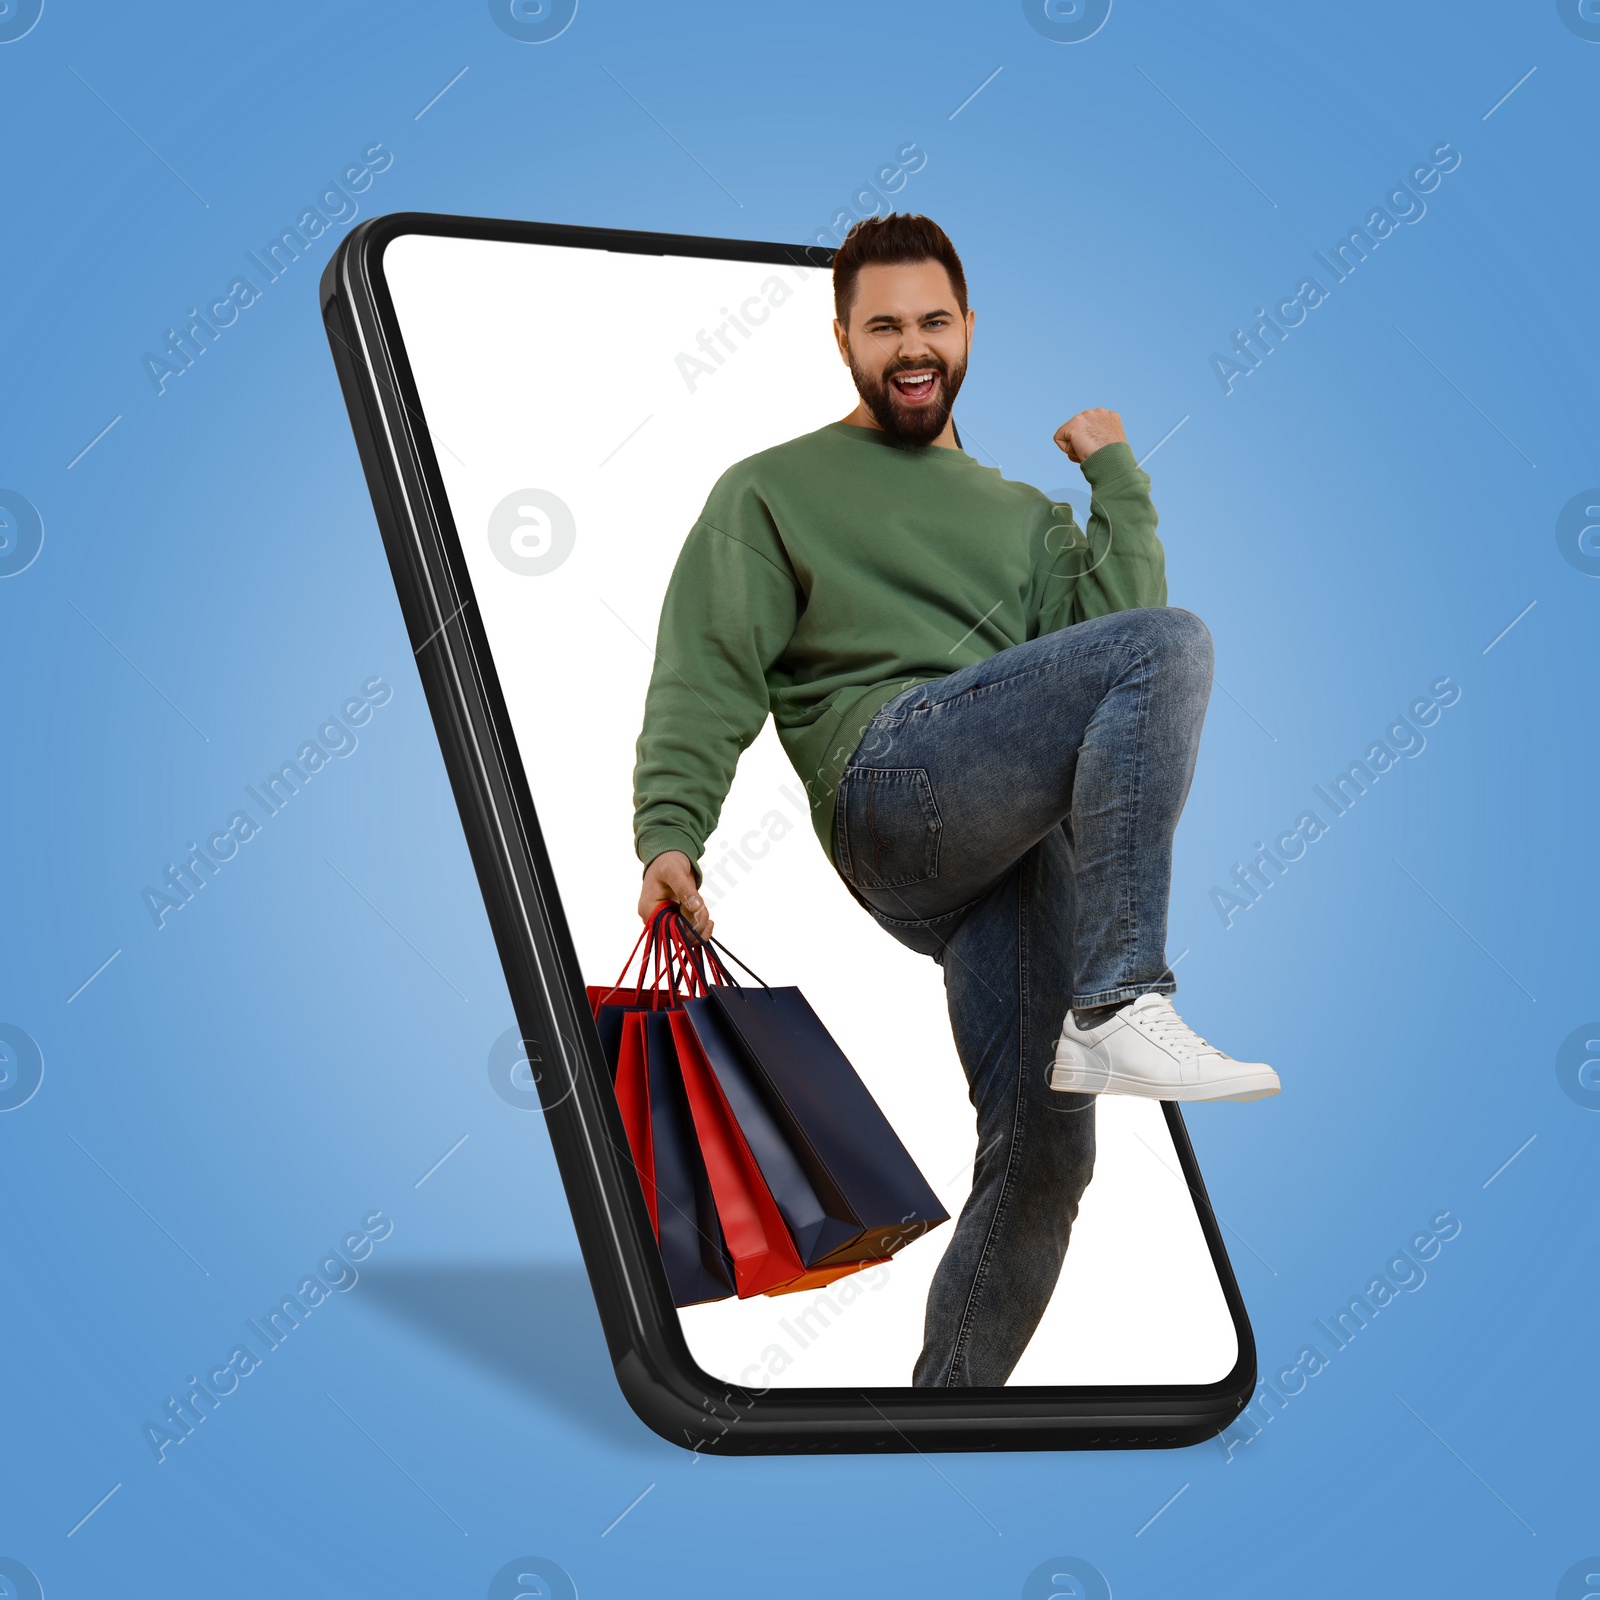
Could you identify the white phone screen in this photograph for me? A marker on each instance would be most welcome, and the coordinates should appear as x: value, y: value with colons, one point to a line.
x: 581, y: 403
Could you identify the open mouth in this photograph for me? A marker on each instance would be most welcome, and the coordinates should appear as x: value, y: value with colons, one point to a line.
x: 916, y: 388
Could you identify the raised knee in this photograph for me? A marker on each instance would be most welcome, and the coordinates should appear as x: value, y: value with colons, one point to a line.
x: 1191, y: 637
x: 1189, y: 626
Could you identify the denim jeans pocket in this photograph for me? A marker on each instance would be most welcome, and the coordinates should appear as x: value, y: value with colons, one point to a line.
x: 889, y: 827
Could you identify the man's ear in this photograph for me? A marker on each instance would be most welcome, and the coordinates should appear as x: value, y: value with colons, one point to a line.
x: 842, y: 340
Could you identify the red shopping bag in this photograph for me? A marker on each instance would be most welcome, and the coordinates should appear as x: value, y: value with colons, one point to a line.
x: 633, y: 1100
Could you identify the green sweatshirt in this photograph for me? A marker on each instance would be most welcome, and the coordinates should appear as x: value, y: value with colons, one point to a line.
x: 829, y: 573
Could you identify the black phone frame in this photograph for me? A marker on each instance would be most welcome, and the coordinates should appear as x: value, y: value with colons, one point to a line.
x: 653, y: 1364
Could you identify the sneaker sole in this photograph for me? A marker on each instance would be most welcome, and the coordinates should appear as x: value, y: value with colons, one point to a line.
x: 1246, y: 1086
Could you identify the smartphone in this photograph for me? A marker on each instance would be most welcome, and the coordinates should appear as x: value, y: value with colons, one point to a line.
x: 540, y: 411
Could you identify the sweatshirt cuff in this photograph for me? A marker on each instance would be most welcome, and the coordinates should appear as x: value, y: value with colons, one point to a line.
x: 653, y: 841
x: 1109, y: 463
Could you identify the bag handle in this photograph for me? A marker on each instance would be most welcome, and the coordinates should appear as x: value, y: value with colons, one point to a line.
x: 708, y: 950
x: 675, y: 962
x: 689, y: 955
x: 721, y: 949
x: 687, y: 950
x: 617, y: 988
x: 650, y: 939
x: 667, y: 974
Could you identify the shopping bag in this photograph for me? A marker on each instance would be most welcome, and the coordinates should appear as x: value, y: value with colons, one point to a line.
x: 860, y: 1172
x: 816, y: 1233
x: 848, y: 1190
x: 632, y: 1083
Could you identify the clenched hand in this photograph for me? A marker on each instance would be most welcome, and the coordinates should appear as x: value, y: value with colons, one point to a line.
x: 671, y: 877
x: 1090, y: 430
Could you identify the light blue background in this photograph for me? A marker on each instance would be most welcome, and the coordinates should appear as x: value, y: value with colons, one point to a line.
x: 299, y: 1046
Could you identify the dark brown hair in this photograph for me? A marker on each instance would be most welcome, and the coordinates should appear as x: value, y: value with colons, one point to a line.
x: 898, y: 239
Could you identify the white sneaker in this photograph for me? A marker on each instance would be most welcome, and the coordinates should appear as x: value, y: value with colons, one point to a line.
x: 1148, y: 1049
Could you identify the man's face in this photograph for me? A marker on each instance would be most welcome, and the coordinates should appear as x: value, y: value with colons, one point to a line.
x: 907, y: 346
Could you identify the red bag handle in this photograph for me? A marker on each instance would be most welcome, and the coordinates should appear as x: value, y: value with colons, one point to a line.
x: 650, y: 938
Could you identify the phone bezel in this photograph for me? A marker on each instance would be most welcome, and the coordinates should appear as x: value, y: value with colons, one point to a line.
x: 654, y: 1367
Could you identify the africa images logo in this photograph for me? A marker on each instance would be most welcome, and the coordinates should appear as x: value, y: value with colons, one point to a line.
x: 21, y: 533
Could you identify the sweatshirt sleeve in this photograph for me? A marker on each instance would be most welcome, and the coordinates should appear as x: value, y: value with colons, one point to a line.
x: 729, y: 611
x: 1118, y: 564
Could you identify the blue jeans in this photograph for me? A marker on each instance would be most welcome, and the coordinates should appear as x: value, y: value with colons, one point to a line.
x: 1014, y: 821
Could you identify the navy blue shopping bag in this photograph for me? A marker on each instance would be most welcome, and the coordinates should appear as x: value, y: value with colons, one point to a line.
x: 846, y: 1186
x: 820, y: 1235
x: 861, y: 1173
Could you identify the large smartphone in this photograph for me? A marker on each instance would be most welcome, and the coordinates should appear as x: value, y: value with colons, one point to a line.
x: 541, y: 411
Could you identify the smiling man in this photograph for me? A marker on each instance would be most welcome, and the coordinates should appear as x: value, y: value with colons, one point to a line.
x: 996, y: 716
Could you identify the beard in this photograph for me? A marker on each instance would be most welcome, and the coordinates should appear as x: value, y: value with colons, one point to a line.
x: 908, y: 423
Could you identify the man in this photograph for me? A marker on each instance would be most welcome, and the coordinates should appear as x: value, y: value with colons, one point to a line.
x: 996, y: 716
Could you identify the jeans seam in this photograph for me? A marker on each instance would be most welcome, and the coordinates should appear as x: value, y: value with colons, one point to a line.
x: 981, y: 1269
x: 841, y: 831
x: 959, y: 911
x: 1127, y: 914
x: 1127, y: 991
x: 1052, y: 665
x: 1130, y: 817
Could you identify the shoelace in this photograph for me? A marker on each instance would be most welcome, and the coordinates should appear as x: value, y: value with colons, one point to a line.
x: 1171, y: 1029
